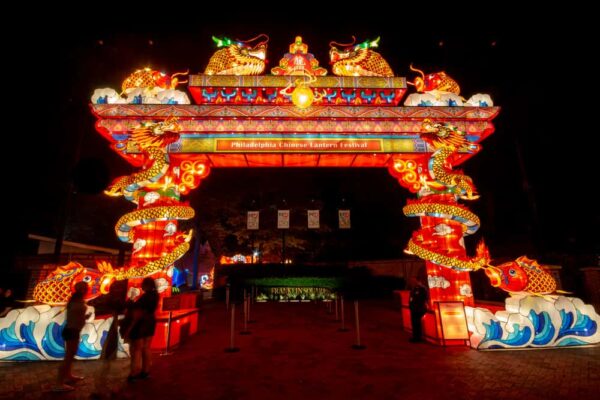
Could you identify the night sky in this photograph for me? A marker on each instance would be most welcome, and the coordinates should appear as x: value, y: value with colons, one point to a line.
x: 530, y: 173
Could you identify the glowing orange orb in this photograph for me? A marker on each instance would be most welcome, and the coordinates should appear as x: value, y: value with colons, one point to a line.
x: 302, y: 97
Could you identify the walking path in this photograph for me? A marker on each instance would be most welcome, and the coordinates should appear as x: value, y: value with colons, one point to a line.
x: 296, y: 352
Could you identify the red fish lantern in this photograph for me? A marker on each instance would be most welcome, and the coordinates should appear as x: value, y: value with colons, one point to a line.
x: 522, y: 276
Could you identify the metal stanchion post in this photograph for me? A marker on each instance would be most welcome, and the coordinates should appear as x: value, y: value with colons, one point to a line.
x: 343, y: 327
x: 166, y: 353
x: 357, y: 346
x: 227, y: 298
x: 337, y: 316
x: 246, y: 307
x: 250, y: 301
x: 232, y: 348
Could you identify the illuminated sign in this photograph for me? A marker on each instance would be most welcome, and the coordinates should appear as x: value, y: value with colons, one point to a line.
x: 294, y: 294
x: 298, y: 145
x: 453, y: 320
x: 313, y: 143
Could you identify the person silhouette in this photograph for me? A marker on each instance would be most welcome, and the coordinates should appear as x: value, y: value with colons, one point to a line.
x: 142, y: 330
x: 115, y: 303
x: 417, y: 304
x: 75, y: 321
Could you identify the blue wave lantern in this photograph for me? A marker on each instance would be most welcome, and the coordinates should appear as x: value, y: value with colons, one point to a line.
x: 34, y: 334
x: 534, y: 321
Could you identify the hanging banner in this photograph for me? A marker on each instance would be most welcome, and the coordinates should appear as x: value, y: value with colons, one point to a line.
x: 344, y: 216
x: 252, y: 222
x: 313, y: 219
x: 283, y: 219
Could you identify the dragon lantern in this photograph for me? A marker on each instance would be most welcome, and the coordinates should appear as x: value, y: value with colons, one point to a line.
x: 155, y: 190
x: 449, y: 220
x: 358, y: 60
x: 59, y: 284
x: 437, y: 82
x: 238, y: 57
x: 147, y: 78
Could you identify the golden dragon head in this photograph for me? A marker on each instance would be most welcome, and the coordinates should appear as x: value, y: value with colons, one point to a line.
x: 156, y: 134
x: 438, y: 135
x: 358, y: 60
x: 59, y: 285
x: 238, y: 57
x: 148, y: 78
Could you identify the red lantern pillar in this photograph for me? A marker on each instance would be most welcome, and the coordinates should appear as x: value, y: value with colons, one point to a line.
x: 445, y: 235
x: 154, y: 239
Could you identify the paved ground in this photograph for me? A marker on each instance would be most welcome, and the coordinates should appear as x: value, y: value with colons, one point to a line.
x: 295, y: 352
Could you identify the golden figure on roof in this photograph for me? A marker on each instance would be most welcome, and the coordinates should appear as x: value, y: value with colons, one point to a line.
x: 299, y: 61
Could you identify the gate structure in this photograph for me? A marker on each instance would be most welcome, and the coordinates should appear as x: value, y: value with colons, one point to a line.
x: 297, y: 116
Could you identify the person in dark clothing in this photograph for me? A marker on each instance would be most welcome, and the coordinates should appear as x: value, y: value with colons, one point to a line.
x: 418, y: 307
x: 114, y: 303
x: 142, y: 329
x: 75, y: 321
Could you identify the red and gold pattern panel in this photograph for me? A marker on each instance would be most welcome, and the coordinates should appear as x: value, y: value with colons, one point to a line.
x: 275, y: 96
x: 268, y: 90
x: 341, y: 126
x: 155, y: 112
x: 207, y: 128
x: 267, y: 81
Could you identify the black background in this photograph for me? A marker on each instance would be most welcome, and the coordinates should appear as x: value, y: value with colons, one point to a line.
x: 536, y: 173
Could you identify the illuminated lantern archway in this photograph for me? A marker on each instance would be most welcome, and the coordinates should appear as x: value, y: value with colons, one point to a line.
x: 300, y: 118
x: 244, y: 119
